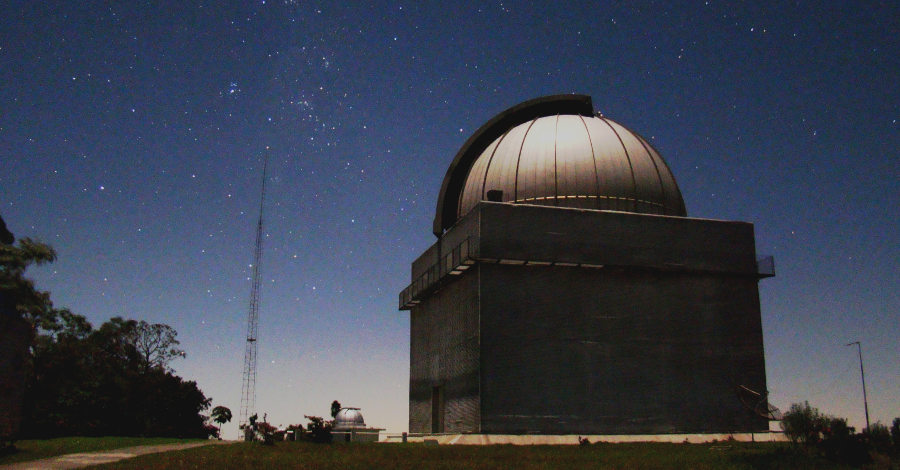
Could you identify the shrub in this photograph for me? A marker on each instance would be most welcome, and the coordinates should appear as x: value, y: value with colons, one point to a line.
x: 319, y: 430
x: 824, y: 434
x: 295, y: 432
x: 211, y: 430
x: 895, y: 434
x: 802, y: 424
x: 878, y: 438
x: 267, y: 432
x: 840, y: 444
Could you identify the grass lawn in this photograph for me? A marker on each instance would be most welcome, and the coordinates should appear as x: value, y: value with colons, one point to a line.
x: 419, y: 456
x: 43, y: 448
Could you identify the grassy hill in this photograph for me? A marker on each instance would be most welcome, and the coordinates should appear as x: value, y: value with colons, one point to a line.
x: 420, y: 456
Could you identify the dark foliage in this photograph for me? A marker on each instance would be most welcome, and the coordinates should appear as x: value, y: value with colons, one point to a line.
x: 262, y: 431
x: 267, y: 432
x: 878, y: 437
x: 827, y: 436
x: 18, y: 295
x: 840, y: 444
x: 81, y: 381
x: 98, y: 382
x: 802, y: 424
x: 6, y: 237
x: 213, y: 431
x: 295, y: 432
x: 895, y: 435
x: 335, y: 408
x: 318, y: 430
x: 249, y: 428
x: 23, y: 309
x: 221, y: 415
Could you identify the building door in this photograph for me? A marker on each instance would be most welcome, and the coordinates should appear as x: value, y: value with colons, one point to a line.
x: 437, y: 409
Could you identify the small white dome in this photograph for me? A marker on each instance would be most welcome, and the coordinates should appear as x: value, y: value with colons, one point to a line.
x: 349, y: 418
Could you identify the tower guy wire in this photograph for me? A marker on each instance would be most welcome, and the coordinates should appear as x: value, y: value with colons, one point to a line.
x: 862, y: 374
x: 248, y: 389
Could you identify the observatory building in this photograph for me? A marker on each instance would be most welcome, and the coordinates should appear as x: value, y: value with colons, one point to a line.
x: 349, y: 426
x: 569, y: 293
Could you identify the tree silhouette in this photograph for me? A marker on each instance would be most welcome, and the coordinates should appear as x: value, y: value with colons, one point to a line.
x: 335, y: 408
x: 17, y: 293
x: 156, y: 344
x: 221, y: 415
x: 96, y: 382
x: 24, y: 310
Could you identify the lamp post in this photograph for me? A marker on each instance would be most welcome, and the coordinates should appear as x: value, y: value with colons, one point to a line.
x: 862, y: 374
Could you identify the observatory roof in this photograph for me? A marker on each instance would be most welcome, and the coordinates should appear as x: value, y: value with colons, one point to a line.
x: 349, y: 418
x: 555, y: 151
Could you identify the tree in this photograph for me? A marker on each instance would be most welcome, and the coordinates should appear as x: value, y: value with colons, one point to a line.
x: 895, y: 434
x: 295, y: 432
x: 250, y: 428
x: 221, y: 415
x: 23, y: 310
x: 319, y: 430
x: 17, y: 293
x: 6, y: 237
x: 60, y: 376
x: 266, y: 431
x: 156, y: 344
x: 824, y: 434
x: 335, y: 408
x: 878, y: 437
x: 96, y: 382
x: 802, y: 424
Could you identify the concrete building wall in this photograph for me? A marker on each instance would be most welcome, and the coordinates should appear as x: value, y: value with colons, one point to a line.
x: 444, y: 359
x: 523, y: 232
x: 595, y: 351
x: 585, y: 322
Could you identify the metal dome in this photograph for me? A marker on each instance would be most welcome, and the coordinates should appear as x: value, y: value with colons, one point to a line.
x: 349, y: 418
x: 554, y: 151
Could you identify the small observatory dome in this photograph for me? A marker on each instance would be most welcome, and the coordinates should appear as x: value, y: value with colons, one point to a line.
x: 349, y: 418
x: 555, y: 151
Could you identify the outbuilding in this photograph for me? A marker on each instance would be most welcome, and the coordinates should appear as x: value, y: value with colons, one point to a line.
x: 349, y: 426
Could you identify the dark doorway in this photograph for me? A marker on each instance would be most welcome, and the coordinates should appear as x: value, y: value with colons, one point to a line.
x: 437, y: 409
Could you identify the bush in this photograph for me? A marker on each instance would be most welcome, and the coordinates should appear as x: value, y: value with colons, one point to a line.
x: 295, y: 432
x: 895, y: 434
x: 840, y: 444
x: 319, y: 430
x: 825, y: 434
x: 878, y: 438
x: 212, y: 431
x: 267, y: 432
x: 803, y: 424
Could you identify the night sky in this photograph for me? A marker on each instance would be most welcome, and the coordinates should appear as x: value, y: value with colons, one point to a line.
x: 132, y: 137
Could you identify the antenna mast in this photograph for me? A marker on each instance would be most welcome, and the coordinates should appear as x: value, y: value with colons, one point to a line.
x: 248, y: 390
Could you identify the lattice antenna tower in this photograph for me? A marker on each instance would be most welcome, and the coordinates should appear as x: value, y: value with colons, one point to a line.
x: 248, y: 390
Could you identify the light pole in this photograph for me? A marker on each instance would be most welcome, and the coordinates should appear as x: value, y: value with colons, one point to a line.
x: 862, y: 374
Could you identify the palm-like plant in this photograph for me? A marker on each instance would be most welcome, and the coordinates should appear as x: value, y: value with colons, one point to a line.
x: 221, y: 415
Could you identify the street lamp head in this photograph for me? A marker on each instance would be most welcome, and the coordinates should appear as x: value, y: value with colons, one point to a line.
x: 851, y: 344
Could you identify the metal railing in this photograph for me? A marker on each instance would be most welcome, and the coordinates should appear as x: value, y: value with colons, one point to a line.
x: 453, y: 263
